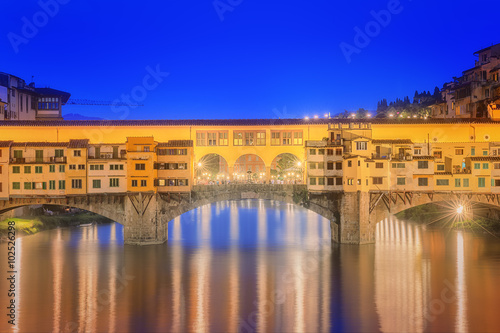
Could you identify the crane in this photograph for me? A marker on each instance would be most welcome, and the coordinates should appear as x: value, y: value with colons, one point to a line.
x: 79, y: 101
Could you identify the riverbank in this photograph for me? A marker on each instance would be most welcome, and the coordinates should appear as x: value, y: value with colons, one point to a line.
x: 30, y: 225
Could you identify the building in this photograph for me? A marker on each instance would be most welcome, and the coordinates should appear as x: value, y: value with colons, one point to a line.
x: 107, y: 168
x: 21, y: 101
x: 475, y: 94
x: 175, y: 166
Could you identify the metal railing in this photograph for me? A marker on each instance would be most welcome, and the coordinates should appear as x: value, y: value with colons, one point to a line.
x: 38, y: 160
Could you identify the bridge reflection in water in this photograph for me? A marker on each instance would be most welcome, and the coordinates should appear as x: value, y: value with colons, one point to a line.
x: 254, y: 265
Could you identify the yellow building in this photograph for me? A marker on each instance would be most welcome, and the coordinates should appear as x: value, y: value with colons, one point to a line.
x: 4, y: 169
x: 76, y: 169
x: 107, y: 168
x: 141, y: 159
x: 175, y: 166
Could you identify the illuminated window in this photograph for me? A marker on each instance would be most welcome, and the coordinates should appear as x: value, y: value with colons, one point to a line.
x: 287, y: 138
x: 201, y: 139
x: 249, y: 139
x: 223, y: 141
x: 297, y: 138
x: 275, y: 138
x: 238, y: 139
x: 212, y: 138
x: 261, y: 138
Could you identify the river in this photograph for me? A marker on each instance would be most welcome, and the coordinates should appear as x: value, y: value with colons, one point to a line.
x: 254, y: 265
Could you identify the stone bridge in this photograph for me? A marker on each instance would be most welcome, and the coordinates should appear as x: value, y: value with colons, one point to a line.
x: 145, y: 215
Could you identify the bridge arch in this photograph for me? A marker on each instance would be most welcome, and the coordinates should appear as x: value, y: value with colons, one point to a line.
x: 211, y: 167
x: 287, y: 167
x: 249, y: 168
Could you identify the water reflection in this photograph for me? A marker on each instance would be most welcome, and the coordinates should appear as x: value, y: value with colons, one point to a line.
x: 256, y: 265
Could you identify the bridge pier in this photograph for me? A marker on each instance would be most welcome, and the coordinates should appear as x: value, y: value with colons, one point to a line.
x: 143, y: 223
x: 356, y: 225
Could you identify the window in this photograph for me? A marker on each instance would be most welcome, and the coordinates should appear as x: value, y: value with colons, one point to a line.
x: 275, y: 138
x: 140, y: 166
x: 321, y: 165
x: 72, y: 166
x: 62, y: 184
x: 52, y: 168
x: 350, y: 181
x: 223, y: 141
x: 349, y: 164
x: 77, y: 153
x: 59, y: 153
x: 76, y: 183
x: 249, y: 139
x: 379, y: 165
x: 261, y: 139
x: 201, y: 139
x: 486, y: 166
x: 423, y: 182
x: 38, y: 169
x: 27, y: 169
x: 18, y: 154
x: 485, y: 153
x: 496, y: 182
x: 144, y: 183
x: 481, y: 182
x: 423, y: 165
x: 238, y: 139
x: 16, y: 169
x: 459, y: 151
x: 361, y: 145
x: 338, y: 151
x: 212, y: 138
x: 312, y: 181
x: 321, y: 181
x: 134, y: 183
x: 338, y: 165
x: 312, y: 165
x: 438, y: 154
x: 477, y: 166
x: 329, y: 165
x: 287, y: 138
x: 27, y: 185
x: 114, y: 182
x: 496, y: 166
x: 329, y: 152
x: 96, y: 183
x: 377, y: 180
x: 440, y: 167
x: 81, y: 166
x: 330, y: 181
x: 321, y: 152
x: 473, y: 151
x: 297, y: 138
x: 466, y: 182
x: 417, y: 151
x: 0, y: 169
x: 312, y: 151
x: 338, y: 181
x: 457, y: 182
x: 401, y: 181
x: 62, y: 168
x: 16, y: 185
x: 442, y: 182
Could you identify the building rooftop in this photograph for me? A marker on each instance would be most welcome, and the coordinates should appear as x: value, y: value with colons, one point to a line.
x: 83, y: 143
x: 176, y: 143
x: 392, y: 141
x: 39, y: 144
x: 239, y: 122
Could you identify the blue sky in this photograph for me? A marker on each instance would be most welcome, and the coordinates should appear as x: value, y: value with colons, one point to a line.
x: 246, y: 59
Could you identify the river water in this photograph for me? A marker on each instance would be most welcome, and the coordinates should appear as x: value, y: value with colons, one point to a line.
x: 254, y: 265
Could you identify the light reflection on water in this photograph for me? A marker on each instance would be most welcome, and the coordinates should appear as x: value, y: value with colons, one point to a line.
x: 256, y: 265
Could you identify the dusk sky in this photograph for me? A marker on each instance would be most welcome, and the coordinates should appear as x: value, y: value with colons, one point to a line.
x: 245, y: 58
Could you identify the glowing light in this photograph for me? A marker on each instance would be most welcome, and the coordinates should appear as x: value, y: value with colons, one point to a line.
x: 316, y: 117
x: 460, y: 209
x: 368, y: 115
x: 353, y: 115
x: 299, y: 163
x: 306, y: 118
x: 326, y: 115
x: 199, y: 164
x: 391, y: 115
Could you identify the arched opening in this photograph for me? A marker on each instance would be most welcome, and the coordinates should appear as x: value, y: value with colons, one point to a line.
x: 249, y: 168
x: 30, y: 219
x: 287, y: 168
x: 211, y: 169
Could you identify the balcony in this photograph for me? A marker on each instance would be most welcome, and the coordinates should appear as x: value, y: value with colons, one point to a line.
x: 38, y: 160
x: 109, y: 156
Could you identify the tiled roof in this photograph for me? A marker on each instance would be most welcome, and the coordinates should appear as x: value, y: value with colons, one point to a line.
x: 485, y: 158
x: 5, y: 143
x: 392, y: 141
x: 39, y: 144
x: 83, y: 143
x: 240, y: 122
x: 176, y: 143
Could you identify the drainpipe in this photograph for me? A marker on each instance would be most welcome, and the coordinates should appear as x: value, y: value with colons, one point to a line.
x: 474, y: 132
x: 428, y: 144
